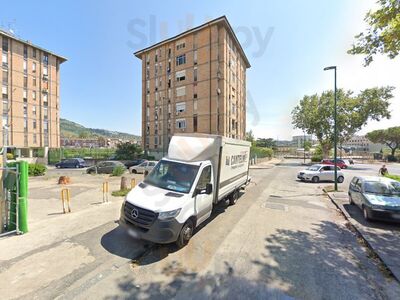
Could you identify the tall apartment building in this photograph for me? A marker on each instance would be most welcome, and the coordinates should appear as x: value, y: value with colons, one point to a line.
x: 30, y: 85
x: 193, y: 82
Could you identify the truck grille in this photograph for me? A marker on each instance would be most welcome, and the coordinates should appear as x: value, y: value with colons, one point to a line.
x: 145, y: 218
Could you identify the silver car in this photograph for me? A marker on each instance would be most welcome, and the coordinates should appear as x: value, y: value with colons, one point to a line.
x: 320, y: 172
x: 147, y: 165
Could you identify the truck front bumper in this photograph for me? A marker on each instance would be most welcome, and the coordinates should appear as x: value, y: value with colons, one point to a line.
x: 160, y: 232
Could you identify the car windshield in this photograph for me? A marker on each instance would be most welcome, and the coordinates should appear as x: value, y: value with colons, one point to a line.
x: 313, y: 168
x: 174, y: 176
x: 384, y: 188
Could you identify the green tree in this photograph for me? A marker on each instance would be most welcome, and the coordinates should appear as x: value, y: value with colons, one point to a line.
x: 126, y: 151
x: 314, y: 114
x: 307, y: 145
x: 383, y: 33
x: 84, y: 134
x: 250, y: 136
x: 390, y: 137
x: 268, y: 143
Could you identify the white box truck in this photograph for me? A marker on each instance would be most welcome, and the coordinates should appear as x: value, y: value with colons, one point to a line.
x: 179, y: 193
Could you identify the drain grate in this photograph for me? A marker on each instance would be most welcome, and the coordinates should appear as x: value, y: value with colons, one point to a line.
x: 275, y: 206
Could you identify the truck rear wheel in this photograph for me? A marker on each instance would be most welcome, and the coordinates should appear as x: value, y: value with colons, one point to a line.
x: 186, y: 234
x: 234, y: 197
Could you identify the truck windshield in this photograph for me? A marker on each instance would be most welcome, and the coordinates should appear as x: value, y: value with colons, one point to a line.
x: 173, y: 176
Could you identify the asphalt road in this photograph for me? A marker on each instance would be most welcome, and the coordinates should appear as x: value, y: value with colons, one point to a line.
x: 283, y: 239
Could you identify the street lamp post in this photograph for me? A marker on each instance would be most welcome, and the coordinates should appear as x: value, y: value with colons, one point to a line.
x: 335, y: 126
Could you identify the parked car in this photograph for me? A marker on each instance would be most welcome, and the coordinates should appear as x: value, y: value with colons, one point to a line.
x: 320, y: 172
x: 71, y: 163
x: 377, y: 197
x: 131, y: 163
x: 104, y: 167
x: 340, y: 163
x: 147, y: 165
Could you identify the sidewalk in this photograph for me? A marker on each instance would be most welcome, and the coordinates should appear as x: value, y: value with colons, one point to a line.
x: 266, y: 164
x: 383, y: 238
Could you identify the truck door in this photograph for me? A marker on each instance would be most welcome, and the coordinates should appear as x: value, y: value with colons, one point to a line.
x: 203, y: 201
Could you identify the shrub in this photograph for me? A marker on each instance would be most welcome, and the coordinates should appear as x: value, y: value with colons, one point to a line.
x: 10, y: 156
x: 261, y: 152
x: 394, y: 177
x: 120, y: 193
x: 316, y: 158
x: 118, y: 171
x: 36, y: 169
x: 391, y: 158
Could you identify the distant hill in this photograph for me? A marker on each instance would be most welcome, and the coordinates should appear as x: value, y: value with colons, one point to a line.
x: 75, y: 130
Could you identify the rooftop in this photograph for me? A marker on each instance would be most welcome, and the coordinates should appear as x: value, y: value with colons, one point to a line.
x: 221, y: 19
x: 26, y: 42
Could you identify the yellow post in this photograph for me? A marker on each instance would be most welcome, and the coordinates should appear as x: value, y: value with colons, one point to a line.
x: 105, y: 191
x: 133, y: 183
x: 66, y: 200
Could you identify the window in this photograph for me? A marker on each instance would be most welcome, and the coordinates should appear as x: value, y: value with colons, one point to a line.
x: 205, y: 178
x: 181, y: 123
x: 5, y: 106
x: 156, y: 140
x: 181, y: 59
x: 25, y: 81
x: 180, y: 45
x: 148, y: 86
x: 180, y: 91
x: 180, y: 75
x: 195, y: 105
x: 195, y: 91
x: 34, y: 53
x: 195, y: 74
x: 44, y: 99
x: 4, y: 59
x: 5, y: 44
x: 4, y: 91
x: 45, y: 113
x: 34, y: 67
x: 180, y: 107
x: 25, y: 52
x: 169, y: 52
x: 25, y: 64
x: 34, y: 138
x: 34, y: 112
x: 195, y: 123
x: 34, y: 81
x: 195, y: 57
x: 5, y: 77
x: 45, y: 126
x: 45, y: 71
x: 25, y: 95
x: 45, y: 59
x: 5, y: 120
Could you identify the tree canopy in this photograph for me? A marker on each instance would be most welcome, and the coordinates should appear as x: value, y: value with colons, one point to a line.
x: 127, y: 151
x: 382, y: 35
x: 314, y: 114
x: 390, y: 137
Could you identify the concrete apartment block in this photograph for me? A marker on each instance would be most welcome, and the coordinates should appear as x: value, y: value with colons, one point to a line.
x: 30, y: 82
x: 193, y: 82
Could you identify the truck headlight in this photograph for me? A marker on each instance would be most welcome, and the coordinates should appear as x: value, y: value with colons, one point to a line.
x: 165, y: 215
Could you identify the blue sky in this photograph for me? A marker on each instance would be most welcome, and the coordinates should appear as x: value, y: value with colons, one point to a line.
x: 101, y: 84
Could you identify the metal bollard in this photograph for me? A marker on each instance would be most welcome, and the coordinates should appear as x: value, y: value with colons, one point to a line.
x: 133, y: 183
x: 66, y: 197
x: 105, y: 191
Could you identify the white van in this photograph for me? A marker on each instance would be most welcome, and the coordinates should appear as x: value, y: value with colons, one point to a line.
x: 179, y: 193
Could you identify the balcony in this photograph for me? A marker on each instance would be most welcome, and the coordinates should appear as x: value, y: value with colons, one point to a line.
x: 45, y: 91
x: 45, y: 77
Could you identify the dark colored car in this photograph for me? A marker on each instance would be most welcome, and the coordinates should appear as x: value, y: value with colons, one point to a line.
x: 340, y: 163
x: 131, y: 163
x: 104, y: 167
x: 71, y: 163
x: 377, y: 197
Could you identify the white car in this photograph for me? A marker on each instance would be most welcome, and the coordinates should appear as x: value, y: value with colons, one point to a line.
x: 147, y: 165
x: 317, y: 173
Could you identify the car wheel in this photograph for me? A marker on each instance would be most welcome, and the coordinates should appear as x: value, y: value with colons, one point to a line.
x: 367, y: 217
x: 186, y: 234
x: 76, y: 166
x: 134, y: 171
x: 234, y: 197
x: 315, y: 179
x: 340, y: 179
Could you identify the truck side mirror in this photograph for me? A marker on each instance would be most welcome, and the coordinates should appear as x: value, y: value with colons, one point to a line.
x: 209, y: 188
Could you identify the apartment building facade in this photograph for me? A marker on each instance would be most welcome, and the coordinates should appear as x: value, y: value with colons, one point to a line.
x: 193, y: 82
x: 30, y: 84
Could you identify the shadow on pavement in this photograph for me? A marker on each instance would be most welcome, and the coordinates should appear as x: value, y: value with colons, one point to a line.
x: 356, y: 213
x: 118, y: 242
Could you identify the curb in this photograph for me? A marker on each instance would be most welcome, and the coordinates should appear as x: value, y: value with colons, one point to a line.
x: 359, y: 233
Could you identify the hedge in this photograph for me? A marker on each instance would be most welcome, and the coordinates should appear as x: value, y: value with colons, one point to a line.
x: 36, y: 169
x: 261, y: 152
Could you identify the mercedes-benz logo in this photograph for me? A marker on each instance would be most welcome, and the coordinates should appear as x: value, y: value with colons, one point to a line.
x: 134, y: 213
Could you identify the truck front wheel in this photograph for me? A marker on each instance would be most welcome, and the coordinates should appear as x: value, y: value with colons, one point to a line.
x: 186, y: 234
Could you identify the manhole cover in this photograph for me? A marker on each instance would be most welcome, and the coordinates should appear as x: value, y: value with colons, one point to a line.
x: 275, y: 206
